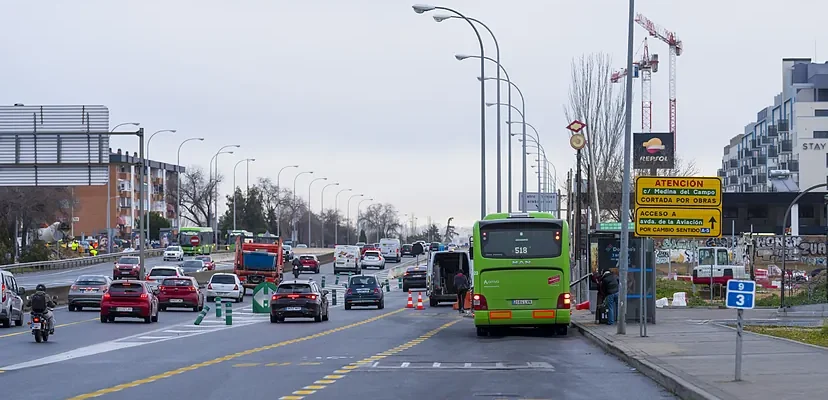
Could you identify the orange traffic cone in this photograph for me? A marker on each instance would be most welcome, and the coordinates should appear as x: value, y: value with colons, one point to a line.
x: 420, y: 301
x: 410, y: 301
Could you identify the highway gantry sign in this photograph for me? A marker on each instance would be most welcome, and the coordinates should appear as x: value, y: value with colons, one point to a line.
x: 656, y: 191
x: 686, y: 222
x: 741, y: 294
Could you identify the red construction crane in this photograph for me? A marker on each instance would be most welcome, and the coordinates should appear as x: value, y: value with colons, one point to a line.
x: 676, y: 48
x: 646, y: 66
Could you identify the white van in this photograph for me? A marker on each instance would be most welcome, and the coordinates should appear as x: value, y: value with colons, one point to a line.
x: 390, y: 249
x: 346, y: 259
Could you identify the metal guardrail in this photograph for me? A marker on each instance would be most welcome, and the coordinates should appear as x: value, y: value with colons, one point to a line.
x: 72, y: 263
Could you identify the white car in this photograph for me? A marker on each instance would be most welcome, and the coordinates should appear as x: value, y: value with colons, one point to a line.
x: 373, y: 258
x: 174, y: 253
x: 226, y: 286
x: 160, y: 273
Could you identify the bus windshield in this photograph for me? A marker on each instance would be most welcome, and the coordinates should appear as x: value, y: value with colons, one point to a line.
x: 184, y: 237
x: 520, y: 240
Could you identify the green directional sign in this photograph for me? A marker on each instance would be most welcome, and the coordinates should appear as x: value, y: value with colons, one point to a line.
x: 261, y: 297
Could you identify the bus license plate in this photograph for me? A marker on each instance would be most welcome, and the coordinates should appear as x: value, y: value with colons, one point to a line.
x: 521, y: 302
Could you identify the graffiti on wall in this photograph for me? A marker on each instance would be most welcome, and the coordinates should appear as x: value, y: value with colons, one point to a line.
x: 803, y: 250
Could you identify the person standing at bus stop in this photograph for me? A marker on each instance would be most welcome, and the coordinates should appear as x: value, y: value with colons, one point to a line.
x: 461, y: 283
x: 609, y: 286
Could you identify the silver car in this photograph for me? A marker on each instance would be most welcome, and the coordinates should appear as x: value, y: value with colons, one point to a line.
x: 373, y: 258
x: 87, y: 291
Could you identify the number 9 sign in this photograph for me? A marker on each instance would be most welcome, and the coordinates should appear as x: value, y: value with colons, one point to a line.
x: 740, y: 294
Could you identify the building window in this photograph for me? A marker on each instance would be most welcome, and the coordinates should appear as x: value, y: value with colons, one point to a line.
x: 806, y: 211
x: 757, y: 212
x: 820, y: 134
x: 821, y: 113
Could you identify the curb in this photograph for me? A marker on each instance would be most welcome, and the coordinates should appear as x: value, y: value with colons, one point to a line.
x: 668, y: 380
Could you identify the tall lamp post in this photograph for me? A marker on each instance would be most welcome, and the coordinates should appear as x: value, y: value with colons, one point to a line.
x: 294, y: 234
x: 149, y: 181
x: 215, y: 188
x: 246, y: 160
x: 322, y: 208
x: 336, y: 214
x: 524, y: 204
x: 422, y: 8
x: 440, y: 18
x: 178, y: 182
x: 278, y: 202
x: 348, y: 216
x: 109, y: 193
x: 310, y: 214
x: 357, y: 218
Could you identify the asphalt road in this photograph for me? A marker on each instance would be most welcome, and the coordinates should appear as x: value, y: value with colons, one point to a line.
x: 362, y: 353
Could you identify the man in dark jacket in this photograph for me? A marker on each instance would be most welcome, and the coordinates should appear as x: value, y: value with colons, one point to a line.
x: 40, y: 302
x: 609, y: 285
x: 461, y: 283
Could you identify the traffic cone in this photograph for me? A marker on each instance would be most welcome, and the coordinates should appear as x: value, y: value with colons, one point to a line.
x: 420, y: 301
x: 410, y: 301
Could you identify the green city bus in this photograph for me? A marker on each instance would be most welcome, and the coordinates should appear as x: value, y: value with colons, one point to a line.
x: 232, y: 235
x: 521, y: 272
x: 205, y: 240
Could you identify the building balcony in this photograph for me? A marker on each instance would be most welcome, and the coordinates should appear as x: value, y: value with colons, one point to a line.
x: 785, y: 146
x: 745, y: 170
x: 762, y: 160
x: 732, y: 180
x: 721, y: 173
x: 746, y: 153
x: 762, y: 179
x: 773, y: 152
x: 754, y: 162
x: 734, y: 163
x: 773, y: 131
x: 793, y: 165
x: 782, y: 125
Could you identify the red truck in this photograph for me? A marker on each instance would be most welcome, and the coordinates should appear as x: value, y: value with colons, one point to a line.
x: 260, y: 261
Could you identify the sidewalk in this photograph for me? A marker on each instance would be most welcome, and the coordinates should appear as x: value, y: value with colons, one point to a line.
x: 691, y: 355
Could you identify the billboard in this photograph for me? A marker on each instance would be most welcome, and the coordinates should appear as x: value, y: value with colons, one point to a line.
x: 63, y: 145
x: 654, y: 150
x: 547, y: 202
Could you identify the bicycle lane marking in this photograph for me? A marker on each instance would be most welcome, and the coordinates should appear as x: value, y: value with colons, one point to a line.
x: 193, y: 367
x: 342, y: 372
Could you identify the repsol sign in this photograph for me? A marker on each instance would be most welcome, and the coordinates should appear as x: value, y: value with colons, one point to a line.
x: 654, y: 150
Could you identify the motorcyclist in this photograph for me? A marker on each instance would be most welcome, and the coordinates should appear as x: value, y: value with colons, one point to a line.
x: 40, y: 302
x: 297, y: 265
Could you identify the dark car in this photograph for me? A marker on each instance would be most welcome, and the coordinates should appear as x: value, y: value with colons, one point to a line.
x: 134, y: 299
x: 87, y: 291
x: 364, y: 290
x: 415, y: 277
x: 299, y: 299
x: 192, y: 266
x: 435, y: 246
x: 406, y: 250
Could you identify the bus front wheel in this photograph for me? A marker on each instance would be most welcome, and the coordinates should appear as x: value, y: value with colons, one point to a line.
x: 481, y: 331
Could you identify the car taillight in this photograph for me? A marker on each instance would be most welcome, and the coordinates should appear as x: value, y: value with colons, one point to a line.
x: 144, y: 296
x: 407, y: 273
x: 564, y: 300
x: 3, y: 290
x: 74, y: 287
x: 209, y: 286
x: 479, y: 302
x: 275, y: 297
x: 192, y: 288
x: 107, y: 295
x: 312, y: 296
x: 376, y: 290
x: 235, y: 287
x: 162, y: 288
x: 349, y: 291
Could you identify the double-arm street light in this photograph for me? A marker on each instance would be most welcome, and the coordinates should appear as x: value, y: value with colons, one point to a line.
x: 422, y: 8
x: 246, y: 160
x: 278, y: 200
x: 149, y: 181
x: 348, y: 216
x: 215, y: 189
x: 294, y: 219
x: 109, y: 193
x: 322, y: 209
x: 336, y: 214
x: 178, y: 182
x: 310, y: 214
x: 440, y: 18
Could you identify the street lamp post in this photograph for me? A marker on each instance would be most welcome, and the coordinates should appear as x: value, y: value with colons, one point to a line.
x: 524, y: 204
x: 278, y: 202
x: 357, y: 218
x: 149, y: 181
x: 246, y: 160
x: 336, y: 214
x: 215, y: 188
x: 322, y: 208
x: 348, y: 216
x: 294, y: 219
x: 310, y: 214
x: 109, y: 193
x: 784, y: 239
x: 421, y: 8
x: 440, y: 18
x: 178, y: 183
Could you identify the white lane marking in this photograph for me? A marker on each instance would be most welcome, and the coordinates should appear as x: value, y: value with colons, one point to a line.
x: 81, y: 352
x: 405, y: 365
x: 499, y: 365
x: 467, y: 365
x: 436, y: 365
x: 152, y: 337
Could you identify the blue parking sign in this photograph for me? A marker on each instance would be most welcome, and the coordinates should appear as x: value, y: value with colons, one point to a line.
x: 740, y: 294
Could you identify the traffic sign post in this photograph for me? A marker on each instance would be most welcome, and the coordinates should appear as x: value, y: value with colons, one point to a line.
x: 194, y: 241
x: 741, y: 295
x: 261, y: 297
x: 666, y: 221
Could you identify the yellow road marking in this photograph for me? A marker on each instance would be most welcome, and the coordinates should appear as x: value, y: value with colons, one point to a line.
x: 118, y: 388
x: 56, y: 326
x: 293, y: 397
x: 275, y: 364
x: 246, y: 365
x: 310, y: 363
x: 330, y: 379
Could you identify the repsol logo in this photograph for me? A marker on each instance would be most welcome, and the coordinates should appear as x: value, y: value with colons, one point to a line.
x: 653, y: 158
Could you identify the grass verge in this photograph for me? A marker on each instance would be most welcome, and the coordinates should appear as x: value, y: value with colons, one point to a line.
x: 814, y: 336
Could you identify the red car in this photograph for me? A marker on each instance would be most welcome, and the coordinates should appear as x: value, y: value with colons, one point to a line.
x: 180, y: 292
x: 132, y: 299
x: 208, y: 262
x: 127, y: 267
x: 369, y: 247
x: 309, y: 263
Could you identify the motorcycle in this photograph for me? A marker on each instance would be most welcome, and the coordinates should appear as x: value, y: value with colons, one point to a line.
x: 40, y: 325
x: 296, y: 272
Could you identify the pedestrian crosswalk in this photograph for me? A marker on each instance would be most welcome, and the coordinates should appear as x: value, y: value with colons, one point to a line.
x: 241, y: 317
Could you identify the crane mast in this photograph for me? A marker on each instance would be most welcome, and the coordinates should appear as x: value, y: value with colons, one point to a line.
x: 643, y: 69
x: 676, y: 49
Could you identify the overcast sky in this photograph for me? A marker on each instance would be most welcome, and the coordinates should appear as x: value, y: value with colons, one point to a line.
x: 368, y: 93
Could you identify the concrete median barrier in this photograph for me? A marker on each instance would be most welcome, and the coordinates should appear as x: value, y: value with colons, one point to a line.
x: 72, y: 263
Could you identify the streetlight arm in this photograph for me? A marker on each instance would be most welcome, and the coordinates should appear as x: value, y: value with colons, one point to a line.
x: 512, y: 84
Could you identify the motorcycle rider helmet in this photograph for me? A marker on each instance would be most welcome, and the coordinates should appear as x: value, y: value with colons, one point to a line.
x: 40, y: 288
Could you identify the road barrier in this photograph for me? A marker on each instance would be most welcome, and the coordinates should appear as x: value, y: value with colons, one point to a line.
x: 333, y: 299
x: 399, y: 283
x: 228, y: 313
x: 78, y: 262
x: 337, y: 280
x: 218, y: 307
x: 323, y: 282
x: 201, y: 315
x: 387, y: 286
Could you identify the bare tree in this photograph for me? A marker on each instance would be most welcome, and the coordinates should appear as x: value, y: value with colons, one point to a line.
x: 24, y: 209
x: 382, y: 218
x: 197, y: 196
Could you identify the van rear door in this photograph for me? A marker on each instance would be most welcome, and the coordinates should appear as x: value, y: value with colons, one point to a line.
x: 517, y: 288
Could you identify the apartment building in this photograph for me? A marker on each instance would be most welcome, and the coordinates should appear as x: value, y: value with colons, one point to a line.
x: 124, y: 179
x: 790, y: 135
